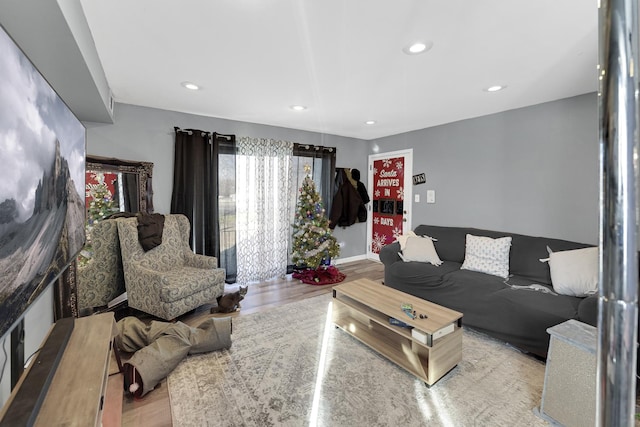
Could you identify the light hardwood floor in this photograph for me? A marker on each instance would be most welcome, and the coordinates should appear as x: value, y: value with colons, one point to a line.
x: 154, y: 409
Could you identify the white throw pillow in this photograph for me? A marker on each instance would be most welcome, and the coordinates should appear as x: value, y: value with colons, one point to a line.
x: 487, y: 255
x: 574, y: 272
x: 421, y: 249
x: 402, y: 239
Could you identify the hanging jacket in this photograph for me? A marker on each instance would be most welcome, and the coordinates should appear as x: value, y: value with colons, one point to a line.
x: 364, y: 196
x: 346, y: 202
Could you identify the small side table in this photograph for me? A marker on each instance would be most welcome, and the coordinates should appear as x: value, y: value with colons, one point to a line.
x: 569, y: 394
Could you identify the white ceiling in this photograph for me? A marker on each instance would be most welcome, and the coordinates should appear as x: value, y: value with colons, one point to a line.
x: 343, y: 59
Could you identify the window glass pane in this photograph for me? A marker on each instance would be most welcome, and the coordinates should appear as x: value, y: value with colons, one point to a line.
x: 227, y: 211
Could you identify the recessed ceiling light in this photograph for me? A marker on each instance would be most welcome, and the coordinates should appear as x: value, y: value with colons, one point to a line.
x: 495, y: 88
x: 298, y: 107
x: 418, y: 47
x: 190, y: 86
x: 370, y: 122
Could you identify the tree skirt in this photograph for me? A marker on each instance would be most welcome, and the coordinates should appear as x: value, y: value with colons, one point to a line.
x: 320, y: 276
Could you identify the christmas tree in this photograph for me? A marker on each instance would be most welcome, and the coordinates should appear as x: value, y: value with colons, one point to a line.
x: 312, y: 238
x: 101, y: 205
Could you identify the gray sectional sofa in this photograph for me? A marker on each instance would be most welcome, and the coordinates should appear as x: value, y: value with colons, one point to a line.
x: 509, y: 309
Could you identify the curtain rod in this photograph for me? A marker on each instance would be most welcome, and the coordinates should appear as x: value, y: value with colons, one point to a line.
x: 314, y: 147
x: 204, y: 133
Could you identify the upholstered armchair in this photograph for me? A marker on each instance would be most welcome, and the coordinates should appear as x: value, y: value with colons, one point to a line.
x: 102, y: 278
x: 169, y: 279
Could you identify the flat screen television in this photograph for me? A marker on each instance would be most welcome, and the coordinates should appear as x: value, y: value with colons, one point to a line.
x: 42, y: 169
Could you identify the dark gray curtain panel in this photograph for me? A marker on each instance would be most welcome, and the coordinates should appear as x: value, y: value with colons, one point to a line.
x: 195, y: 188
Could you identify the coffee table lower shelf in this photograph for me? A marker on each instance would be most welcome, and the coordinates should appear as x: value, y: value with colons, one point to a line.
x: 395, y: 343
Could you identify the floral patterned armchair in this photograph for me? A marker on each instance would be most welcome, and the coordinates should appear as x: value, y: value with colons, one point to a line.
x: 168, y: 280
x: 102, y: 278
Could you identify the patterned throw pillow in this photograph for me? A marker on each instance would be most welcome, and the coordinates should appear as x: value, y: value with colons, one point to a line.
x: 487, y: 255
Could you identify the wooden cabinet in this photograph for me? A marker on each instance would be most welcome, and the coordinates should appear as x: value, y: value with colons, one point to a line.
x: 77, y: 391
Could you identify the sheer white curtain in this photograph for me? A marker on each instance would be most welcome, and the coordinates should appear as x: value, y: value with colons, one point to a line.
x: 263, y: 207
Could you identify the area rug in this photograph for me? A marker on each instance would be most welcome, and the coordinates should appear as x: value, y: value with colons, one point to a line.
x: 290, y: 367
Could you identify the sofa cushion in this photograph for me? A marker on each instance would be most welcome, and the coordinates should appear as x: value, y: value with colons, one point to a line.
x: 449, y: 241
x: 176, y: 287
x: 420, y: 249
x: 487, y: 255
x: 538, y: 304
x: 522, y: 316
x: 472, y: 282
x: 418, y: 274
x: 574, y: 272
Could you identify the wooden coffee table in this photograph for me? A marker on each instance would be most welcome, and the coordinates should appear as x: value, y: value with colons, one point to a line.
x: 363, y: 308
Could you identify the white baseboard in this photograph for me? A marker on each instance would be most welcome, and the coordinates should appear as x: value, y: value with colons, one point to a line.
x: 339, y: 261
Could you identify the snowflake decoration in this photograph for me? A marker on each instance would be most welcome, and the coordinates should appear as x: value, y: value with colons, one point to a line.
x: 378, y: 242
x: 397, y: 232
x: 375, y: 171
x: 399, y: 165
x: 377, y: 193
x: 98, y: 191
x: 376, y: 220
x: 400, y: 193
x: 386, y: 163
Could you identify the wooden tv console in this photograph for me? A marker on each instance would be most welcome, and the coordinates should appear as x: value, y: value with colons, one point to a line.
x: 78, y: 389
x: 363, y: 308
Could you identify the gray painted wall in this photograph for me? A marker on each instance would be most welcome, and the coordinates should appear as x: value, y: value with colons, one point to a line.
x: 146, y: 134
x: 532, y: 170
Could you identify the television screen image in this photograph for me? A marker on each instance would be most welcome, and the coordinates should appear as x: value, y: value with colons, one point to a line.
x: 42, y: 169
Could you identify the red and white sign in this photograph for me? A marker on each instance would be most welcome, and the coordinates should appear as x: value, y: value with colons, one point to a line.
x: 388, y: 201
x: 95, y: 180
